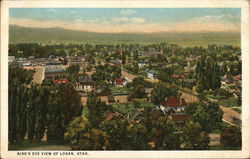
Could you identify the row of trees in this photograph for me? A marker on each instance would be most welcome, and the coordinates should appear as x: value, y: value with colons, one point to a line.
x: 33, y: 108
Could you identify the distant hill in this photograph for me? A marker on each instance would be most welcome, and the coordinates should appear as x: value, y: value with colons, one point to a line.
x: 19, y: 34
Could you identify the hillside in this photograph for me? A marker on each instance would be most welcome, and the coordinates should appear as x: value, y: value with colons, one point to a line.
x: 19, y: 34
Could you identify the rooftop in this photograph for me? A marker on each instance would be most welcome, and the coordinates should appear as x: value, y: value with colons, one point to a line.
x: 173, y: 102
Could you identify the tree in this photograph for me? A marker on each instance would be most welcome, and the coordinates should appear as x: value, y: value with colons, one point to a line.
x: 161, y: 132
x: 208, y: 115
x: 64, y: 104
x: 96, y: 109
x: 17, y: 102
x: 193, y: 137
x: 117, y: 131
x: 95, y: 139
x: 231, y: 137
x: 76, y: 127
x: 139, y: 91
x: 161, y: 91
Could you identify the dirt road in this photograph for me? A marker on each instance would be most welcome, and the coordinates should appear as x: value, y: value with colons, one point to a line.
x: 38, y: 76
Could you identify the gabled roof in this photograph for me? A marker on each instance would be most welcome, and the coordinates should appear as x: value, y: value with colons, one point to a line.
x: 178, y: 118
x: 173, y: 102
x: 119, y: 81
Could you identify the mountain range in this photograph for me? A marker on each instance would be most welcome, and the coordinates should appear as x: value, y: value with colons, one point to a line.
x: 19, y: 34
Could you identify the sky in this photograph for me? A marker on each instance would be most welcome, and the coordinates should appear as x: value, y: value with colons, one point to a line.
x: 144, y: 20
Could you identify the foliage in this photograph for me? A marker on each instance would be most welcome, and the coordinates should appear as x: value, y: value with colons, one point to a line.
x: 207, y: 74
x: 161, y: 91
x: 231, y: 137
x: 76, y: 127
x: 106, y: 73
x: 193, y: 137
x: 18, y: 100
x: 96, y: 109
x: 208, y: 115
x: 117, y: 131
x: 64, y: 104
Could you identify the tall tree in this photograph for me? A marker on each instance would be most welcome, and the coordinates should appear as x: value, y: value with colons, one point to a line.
x: 64, y: 104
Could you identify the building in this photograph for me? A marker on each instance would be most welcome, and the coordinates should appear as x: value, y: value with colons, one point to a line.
x: 172, y: 103
x: 60, y: 81
x: 142, y: 64
x: 178, y: 118
x: 120, y: 82
x: 151, y: 74
x: 21, y: 61
x: 52, y: 71
x: 85, y: 82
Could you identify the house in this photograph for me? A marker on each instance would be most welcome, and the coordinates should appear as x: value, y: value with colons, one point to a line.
x: 173, y: 103
x: 151, y: 74
x: 52, y: 71
x: 178, y: 118
x: 60, y: 81
x: 120, y: 82
x: 141, y: 64
x: 85, y: 82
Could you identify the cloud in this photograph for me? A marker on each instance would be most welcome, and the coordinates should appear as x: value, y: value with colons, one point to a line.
x: 225, y: 18
x: 138, y: 24
x: 127, y: 12
x: 138, y: 20
x: 119, y: 20
x: 124, y: 20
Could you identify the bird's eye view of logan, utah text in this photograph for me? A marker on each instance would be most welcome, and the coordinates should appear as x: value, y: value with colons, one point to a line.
x: 124, y: 79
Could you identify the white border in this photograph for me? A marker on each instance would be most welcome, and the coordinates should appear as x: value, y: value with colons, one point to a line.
x: 243, y: 4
